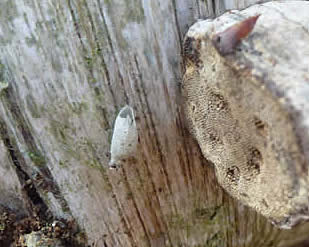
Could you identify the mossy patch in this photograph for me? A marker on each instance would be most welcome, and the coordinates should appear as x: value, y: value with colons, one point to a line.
x: 63, y: 131
x: 4, y: 84
x: 177, y: 221
x: 93, y: 164
x: 206, y: 213
x: 202, y: 220
x: 31, y: 41
x: 214, y: 241
x: 64, y: 163
x: 32, y: 107
x: 129, y: 195
x: 37, y: 158
x: 79, y: 107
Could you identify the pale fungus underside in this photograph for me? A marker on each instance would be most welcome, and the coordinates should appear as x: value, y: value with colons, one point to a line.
x: 242, y: 122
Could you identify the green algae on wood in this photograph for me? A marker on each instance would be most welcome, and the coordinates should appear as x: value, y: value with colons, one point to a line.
x: 37, y: 158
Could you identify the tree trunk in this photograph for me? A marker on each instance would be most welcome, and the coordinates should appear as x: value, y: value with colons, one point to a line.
x: 67, y: 69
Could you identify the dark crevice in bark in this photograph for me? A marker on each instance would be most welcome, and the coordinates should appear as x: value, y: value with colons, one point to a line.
x: 182, y: 167
x: 34, y: 200
x: 182, y: 129
x: 198, y: 8
x: 177, y: 21
x: 183, y: 159
x: 41, y: 174
x: 76, y: 26
x: 214, y: 7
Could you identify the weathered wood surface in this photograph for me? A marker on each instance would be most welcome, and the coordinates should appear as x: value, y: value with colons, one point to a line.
x: 70, y: 67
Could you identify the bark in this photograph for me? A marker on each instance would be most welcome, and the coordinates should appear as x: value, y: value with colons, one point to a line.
x: 67, y: 68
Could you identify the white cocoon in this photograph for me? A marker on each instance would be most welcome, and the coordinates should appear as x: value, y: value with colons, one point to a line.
x: 125, y: 136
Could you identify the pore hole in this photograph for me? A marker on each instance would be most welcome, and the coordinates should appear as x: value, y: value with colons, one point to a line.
x: 218, y: 39
x: 254, y: 163
x: 233, y: 174
x: 193, y: 108
x: 260, y: 126
x: 216, y: 102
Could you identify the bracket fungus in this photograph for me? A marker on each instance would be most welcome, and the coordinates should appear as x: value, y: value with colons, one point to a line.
x: 125, y: 137
x: 248, y: 108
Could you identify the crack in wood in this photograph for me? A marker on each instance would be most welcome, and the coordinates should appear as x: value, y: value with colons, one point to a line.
x: 76, y: 26
x: 33, y: 197
x: 181, y: 128
x: 41, y: 177
x: 214, y: 7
